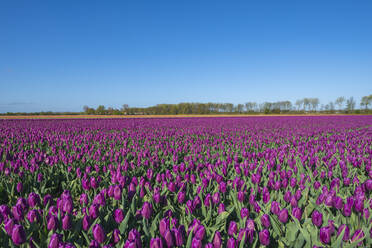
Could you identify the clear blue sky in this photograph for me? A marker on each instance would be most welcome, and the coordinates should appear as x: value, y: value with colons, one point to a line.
x: 61, y: 55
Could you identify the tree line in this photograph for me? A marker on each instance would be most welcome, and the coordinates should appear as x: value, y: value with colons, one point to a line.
x: 305, y: 105
x: 301, y: 106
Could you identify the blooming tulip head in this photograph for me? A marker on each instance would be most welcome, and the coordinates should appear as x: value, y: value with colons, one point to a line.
x: 317, y: 218
x: 18, y: 235
x: 98, y: 233
x: 264, y: 237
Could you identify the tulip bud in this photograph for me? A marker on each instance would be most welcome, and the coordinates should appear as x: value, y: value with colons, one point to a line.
x: 117, y: 193
x: 178, y: 236
x: 283, y: 215
x: 264, y: 236
x: 317, y: 218
x: 181, y: 197
x: 19, y: 187
x: 297, y: 213
x: 265, y: 220
x: 233, y: 228
x: 163, y: 226
x: 231, y: 243
x: 200, y: 233
x: 66, y: 222
x: 118, y: 215
x: 155, y: 243
x: 168, y: 238
x: 54, y: 241
x: 346, y: 233
x: 98, y: 233
x: 18, y: 235
x: 217, y: 240
x: 325, y: 235
x: 146, y: 210
x: 8, y: 226
x: 275, y: 207
x: 86, y: 222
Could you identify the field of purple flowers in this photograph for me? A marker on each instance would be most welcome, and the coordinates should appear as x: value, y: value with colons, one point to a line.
x: 186, y: 182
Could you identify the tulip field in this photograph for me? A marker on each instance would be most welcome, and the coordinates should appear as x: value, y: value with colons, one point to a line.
x: 289, y: 181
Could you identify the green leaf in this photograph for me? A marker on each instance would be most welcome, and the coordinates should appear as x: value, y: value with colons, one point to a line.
x: 124, y: 224
x: 189, y: 238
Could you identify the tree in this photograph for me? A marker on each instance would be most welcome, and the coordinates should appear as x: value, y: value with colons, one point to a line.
x: 88, y: 111
x: 299, y: 103
x: 331, y: 106
x: 366, y: 101
x: 314, y: 103
x: 239, y: 108
x: 250, y: 106
x: 101, y: 110
x: 124, y: 108
x: 350, y: 104
x: 340, y: 101
x: 306, y: 103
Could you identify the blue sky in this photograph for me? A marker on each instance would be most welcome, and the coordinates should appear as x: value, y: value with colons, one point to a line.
x: 61, y: 55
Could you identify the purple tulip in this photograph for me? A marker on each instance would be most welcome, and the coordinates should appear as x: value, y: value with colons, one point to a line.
x: 181, y: 197
x: 156, y: 243
x: 94, y: 211
x: 163, y: 226
x: 8, y: 226
x: 66, y: 222
x: 200, y: 232
x: 216, y: 198
x: 346, y: 233
x: 33, y: 199
x: 283, y: 215
x: 178, y: 236
x: 240, y: 196
x: 86, y: 222
x: 347, y: 210
x: 264, y: 236
x: 18, y: 235
x: 265, y: 220
x: 196, y: 243
x: 275, y: 208
x: 98, y: 233
x: 317, y: 218
x: 233, y: 228
x: 244, y: 212
x: 118, y: 215
x: 146, y: 210
x: 55, y: 240
x: 217, y: 240
x: 325, y: 235
x: 297, y: 213
x: 19, y: 187
x: 221, y: 208
x: 231, y: 243
x: 117, y: 193
x: 358, y: 234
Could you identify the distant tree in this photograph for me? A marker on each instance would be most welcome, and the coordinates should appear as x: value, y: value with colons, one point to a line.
x: 331, y: 106
x: 340, y: 102
x: 366, y: 101
x: 350, y: 105
x: 101, y: 110
x: 299, y: 103
x: 306, y: 103
x: 239, y: 108
x: 314, y: 103
x: 124, y: 108
x: 88, y: 111
x: 250, y: 106
x: 229, y: 107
